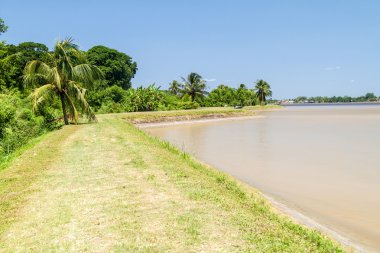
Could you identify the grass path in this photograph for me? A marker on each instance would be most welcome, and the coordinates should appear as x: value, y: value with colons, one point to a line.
x: 109, y: 187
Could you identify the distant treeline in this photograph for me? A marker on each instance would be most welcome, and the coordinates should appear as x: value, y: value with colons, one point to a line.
x: 369, y: 97
x: 42, y: 89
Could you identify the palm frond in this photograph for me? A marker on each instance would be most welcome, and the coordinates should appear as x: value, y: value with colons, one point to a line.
x: 55, y: 78
x: 69, y: 43
x: 86, y: 73
x: 79, y: 92
x: 62, y: 59
x: 36, y: 70
x: 42, y: 94
x: 63, y: 79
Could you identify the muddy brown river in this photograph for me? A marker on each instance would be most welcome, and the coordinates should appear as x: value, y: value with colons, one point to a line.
x: 323, y: 161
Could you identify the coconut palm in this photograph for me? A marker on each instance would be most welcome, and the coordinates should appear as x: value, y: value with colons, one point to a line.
x: 175, y: 88
x: 194, y: 86
x: 63, y: 79
x: 263, y: 91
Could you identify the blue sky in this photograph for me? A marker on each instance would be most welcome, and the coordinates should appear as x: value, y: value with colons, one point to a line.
x: 300, y: 47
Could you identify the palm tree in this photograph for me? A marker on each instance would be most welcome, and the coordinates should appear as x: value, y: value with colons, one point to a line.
x: 194, y: 86
x: 175, y: 88
x: 263, y: 91
x: 63, y: 79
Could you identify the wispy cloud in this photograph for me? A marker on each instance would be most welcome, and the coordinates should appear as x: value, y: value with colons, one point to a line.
x: 333, y: 68
x: 352, y: 81
x: 210, y: 79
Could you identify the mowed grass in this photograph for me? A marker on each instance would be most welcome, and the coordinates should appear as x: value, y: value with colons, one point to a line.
x: 110, y: 187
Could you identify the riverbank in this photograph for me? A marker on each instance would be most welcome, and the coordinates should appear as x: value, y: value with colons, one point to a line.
x: 112, y: 187
x: 197, y: 114
x: 264, y: 153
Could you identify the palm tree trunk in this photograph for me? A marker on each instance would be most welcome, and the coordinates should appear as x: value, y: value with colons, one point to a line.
x: 64, y: 109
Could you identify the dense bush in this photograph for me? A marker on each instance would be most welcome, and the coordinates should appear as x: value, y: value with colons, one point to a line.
x: 227, y: 96
x: 18, y: 124
x: 115, y: 99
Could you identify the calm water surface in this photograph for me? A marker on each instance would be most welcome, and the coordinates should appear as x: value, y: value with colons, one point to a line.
x: 323, y: 161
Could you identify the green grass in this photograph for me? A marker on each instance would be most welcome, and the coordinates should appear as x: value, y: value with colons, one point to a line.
x: 17, y: 174
x: 112, y: 187
x: 5, y: 161
x: 201, y: 113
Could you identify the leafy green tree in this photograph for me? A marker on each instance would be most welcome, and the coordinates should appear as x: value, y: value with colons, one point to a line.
x: 16, y: 58
x: 194, y: 86
x: 370, y: 96
x: 62, y: 79
x: 222, y: 96
x: 263, y: 91
x: 118, y: 68
x: 111, y: 95
x: 245, y: 96
x: 3, y: 27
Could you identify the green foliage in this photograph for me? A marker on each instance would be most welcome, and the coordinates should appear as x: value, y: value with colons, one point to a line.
x: 187, y: 105
x: 263, y: 91
x: 194, y: 86
x: 18, y: 124
x: 14, y: 59
x: 3, y: 27
x: 113, y: 94
x: 369, y: 97
x: 222, y: 96
x: 118, y: 68
x: 300, y: 99
x: 109, y: 100
x: 62, y: 79
x: 227, y: 96
x: 144, y: 99
x: 114, y: 99
x: 176, y: 88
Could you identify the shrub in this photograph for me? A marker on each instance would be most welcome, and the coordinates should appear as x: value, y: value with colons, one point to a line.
x: 18, y: 124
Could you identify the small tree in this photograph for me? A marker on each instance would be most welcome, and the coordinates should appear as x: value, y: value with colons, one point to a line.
x: 245, y: 96
x: 63, y: 80
x: 263, y: 91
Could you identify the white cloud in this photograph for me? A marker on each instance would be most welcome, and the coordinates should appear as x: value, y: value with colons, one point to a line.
x: 210, y: 79
x: 333, y: 68
x: 352, y: 81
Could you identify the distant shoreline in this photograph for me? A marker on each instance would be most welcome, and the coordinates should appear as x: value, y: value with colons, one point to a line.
x: 327, y: 104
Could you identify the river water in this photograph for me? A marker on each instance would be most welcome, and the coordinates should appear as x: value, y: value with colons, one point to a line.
x: 322, y: 161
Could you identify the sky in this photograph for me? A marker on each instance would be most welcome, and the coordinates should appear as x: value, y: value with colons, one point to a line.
x: 300, y: 47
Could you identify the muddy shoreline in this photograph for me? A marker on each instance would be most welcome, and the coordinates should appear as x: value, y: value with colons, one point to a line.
x: 194, y: 121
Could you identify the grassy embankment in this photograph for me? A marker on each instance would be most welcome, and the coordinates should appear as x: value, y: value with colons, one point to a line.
x: 112, y: 187
x: 202, y: 113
